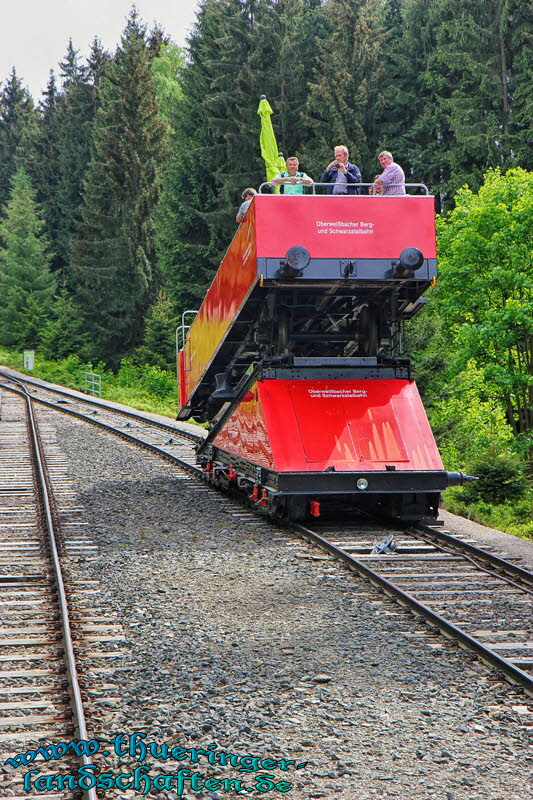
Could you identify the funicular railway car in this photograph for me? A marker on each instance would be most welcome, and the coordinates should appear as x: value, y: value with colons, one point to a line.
x: 295, y: 358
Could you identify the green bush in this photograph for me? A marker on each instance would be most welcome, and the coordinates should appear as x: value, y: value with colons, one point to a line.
x: 513, y: 517
x: 66, y: 372
x: 128, y: 374
x: 524, y: 531
x: 501, y: 479
x: 10, y: 358
x: 468, y: 421
x: 147, y: 388
x: 159, y: 381
x: 151, y: 379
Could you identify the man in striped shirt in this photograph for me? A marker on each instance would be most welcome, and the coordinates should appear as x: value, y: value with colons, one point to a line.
x: 392, y: 179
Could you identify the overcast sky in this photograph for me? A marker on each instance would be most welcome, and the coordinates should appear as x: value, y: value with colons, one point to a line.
x: 34, y: 34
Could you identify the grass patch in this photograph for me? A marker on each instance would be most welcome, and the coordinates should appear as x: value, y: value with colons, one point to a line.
x: 146, y: 388
x: 515, y: 518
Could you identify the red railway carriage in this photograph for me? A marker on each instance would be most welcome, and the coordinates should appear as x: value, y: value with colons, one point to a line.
x: 295, y: 357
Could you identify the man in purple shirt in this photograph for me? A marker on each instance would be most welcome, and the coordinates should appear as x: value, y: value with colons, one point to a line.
x: 392, y: 179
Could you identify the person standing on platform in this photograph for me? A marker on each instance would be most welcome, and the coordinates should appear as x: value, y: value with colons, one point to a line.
x: 292, y: 181
x: 392, y: 179
x: 342, y: 176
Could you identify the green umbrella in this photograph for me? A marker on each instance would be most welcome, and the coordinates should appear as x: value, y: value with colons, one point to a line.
x: 274, y: 161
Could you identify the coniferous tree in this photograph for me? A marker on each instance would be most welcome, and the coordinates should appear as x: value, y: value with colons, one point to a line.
x: 403, y: 59
x: 223, y: 84
x: 72, y: 72
x: 262, y: 47
x: 63, y: 334
x: 159, y: 343
x: 156, y: 41
x: 166, y: 69
x: 457, y: 101
x: 26, y: 283
x: 17, y: 126
x: 76, y: 119
x: 469, y: 76
x: 187, y: 250
x: 113, y: 258
x: 297, y: 28
x: 43, y: 163
x: 346, y: 92
x: 516, y: 67
x: 61, y: 149
x: 97, y: 62
x: 214, y: 153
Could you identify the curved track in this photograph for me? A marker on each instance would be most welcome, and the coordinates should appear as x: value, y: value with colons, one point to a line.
x: 479, y: 599
x: 37, y: 646
x: 163, y: 439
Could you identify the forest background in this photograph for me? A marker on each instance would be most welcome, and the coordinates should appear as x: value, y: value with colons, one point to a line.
x: 119, y: 187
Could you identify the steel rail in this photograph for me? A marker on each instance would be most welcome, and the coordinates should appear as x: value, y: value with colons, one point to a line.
x: 435, y: 535
x: 124, y: 435
x: 68, y: 646
x: 98, y: 404
x: 515, y: 674
x: 475, y: 553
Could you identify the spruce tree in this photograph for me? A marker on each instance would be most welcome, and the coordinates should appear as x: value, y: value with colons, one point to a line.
x: 228, y: 62
x: 156, y: 41
x: 76, y: 121
x: 458, y: 99
x: 516, y: 70
x: 17, y: 127
x: 26, y: 283
x: 113, y: 258
x: 43, y: 163
x: 403, y: 59
x: 187, y: 249
x: 297, y: 29
x: 159, y: 343
x: 468, y: 74
x: 97, y: 62
x: 72, y: 72
x: 63, y: 335
x: 346, y: 91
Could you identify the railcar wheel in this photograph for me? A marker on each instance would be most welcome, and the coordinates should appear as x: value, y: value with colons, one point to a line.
x: 289, y: 508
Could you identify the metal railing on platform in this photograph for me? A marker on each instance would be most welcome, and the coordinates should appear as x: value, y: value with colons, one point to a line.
x: 310, y: 189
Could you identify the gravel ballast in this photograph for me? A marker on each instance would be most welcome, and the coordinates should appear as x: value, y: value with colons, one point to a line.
x: 240, y: 638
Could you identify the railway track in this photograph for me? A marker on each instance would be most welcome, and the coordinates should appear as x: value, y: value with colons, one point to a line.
x: 469, y: 598
x: 49, y: 622
x: 162, y: 439
x: 478, y: 598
